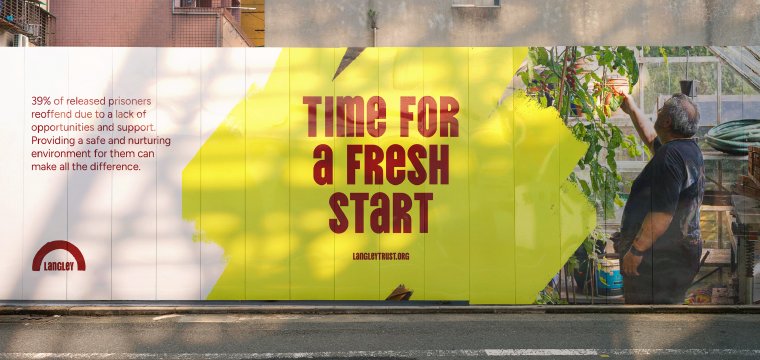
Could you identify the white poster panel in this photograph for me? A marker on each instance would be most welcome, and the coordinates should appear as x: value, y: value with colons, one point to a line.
x: 11, y: 182
x: 134, y: 182
x: 89, y: 190
x: 46, y: 131
x: 222, y: 198
x: 178, y: 125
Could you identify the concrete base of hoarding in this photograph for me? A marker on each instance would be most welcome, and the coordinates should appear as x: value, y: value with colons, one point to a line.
x: 348, y: 308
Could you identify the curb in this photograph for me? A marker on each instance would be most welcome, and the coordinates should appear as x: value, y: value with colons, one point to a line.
x: 122, y: 310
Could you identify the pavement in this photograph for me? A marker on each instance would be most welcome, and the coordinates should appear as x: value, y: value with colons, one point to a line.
x: 94, y: 308
x: 382, y: 336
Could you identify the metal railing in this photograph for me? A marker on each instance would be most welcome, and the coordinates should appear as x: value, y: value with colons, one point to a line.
x: 26, y: 17
x: 227, y: 12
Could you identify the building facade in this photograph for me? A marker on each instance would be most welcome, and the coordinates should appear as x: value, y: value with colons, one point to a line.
x: 331, y: 23
x: 143, y: 23
x: 25, y: 23
x: 158, y: 23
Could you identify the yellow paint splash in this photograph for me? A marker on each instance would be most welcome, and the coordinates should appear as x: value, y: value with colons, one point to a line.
x: 504, y: 225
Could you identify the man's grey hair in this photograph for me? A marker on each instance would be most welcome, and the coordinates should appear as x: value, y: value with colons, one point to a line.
x: 683, y: 114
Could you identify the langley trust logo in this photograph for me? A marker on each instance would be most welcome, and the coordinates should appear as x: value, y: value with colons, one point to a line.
x: 38, y: 263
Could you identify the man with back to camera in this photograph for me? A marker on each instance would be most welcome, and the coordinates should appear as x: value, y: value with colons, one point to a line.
x: 659, y: 234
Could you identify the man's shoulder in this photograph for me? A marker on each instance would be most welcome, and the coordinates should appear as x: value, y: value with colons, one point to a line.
x: 678, y: 154
x: 682, y: 147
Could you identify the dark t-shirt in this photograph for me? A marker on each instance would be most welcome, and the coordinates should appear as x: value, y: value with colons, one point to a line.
x: 672, y: 182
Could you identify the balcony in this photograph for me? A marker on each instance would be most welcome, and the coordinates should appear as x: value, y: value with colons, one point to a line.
x: 229, y: 31
x: 26, y: 17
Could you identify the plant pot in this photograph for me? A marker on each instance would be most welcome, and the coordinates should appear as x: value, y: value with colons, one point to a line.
x: 619, y: 84
x: 580, y: 63
x: 689, y: 87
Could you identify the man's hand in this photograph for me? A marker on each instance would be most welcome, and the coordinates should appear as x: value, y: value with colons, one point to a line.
x: 631, y: 264
x: 627, y: 104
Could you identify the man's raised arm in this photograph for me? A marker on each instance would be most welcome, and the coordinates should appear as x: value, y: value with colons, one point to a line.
x: 643, y: 126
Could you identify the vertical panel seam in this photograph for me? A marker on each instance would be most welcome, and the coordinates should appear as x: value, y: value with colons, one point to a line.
x: 469, y: 198
x: 23, y: 177
x: 514, y: 185
x: 200, y: 178
x: 111, y: 250
x: 155, y: 112
x: 245, y: 175
x: 68, y: 183
x: 290, y: 185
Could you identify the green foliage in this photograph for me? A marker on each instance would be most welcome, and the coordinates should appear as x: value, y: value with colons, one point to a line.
x: 372, y: 16
x: 572, y: 265
x: 664, y: 80
x: 734, y: 84
x: 576, y: 81
x: 676, y: 51
x: 664, y: 77
x: 549, y: 296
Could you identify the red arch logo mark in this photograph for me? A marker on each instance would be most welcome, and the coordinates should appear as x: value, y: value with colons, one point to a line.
x: 58, y: 245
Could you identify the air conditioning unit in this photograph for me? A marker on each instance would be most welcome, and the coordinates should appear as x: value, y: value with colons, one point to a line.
x: 20, y: 40
x: 33, y: 29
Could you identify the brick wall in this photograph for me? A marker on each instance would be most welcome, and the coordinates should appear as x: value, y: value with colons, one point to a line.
x: 112, y: 23
x: 138, y: 23
x: 194, y: 30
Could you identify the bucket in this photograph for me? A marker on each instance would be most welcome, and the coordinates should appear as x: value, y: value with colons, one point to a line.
x: 609, y: 280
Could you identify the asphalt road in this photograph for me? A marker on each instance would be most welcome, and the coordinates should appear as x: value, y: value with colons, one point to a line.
x: 451, y: 336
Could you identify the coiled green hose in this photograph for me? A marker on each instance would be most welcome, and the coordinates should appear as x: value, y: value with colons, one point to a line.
x: 735, y: 137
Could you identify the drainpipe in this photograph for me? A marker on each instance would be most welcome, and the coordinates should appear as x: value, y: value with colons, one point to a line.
x: 218, y: 21
x: 219, y: 30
